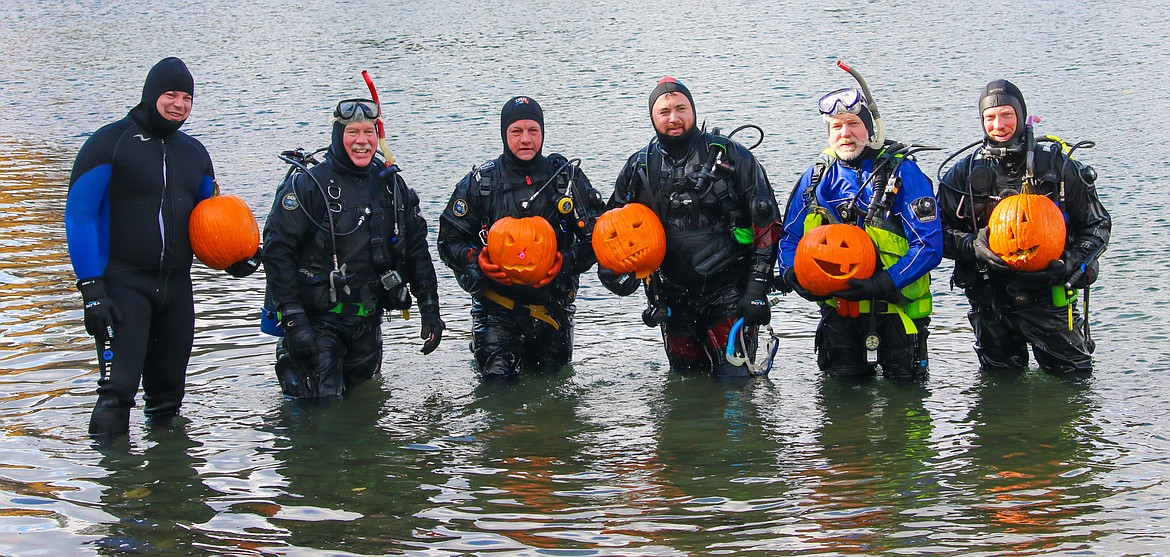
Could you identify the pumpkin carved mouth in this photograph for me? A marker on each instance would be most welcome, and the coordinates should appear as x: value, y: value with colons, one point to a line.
x: 1021, y: 254
x: 846, y: 270
x: 633, y: 258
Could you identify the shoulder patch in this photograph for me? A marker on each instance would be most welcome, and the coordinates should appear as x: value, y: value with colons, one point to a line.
x: 289, y: 201
x: 925, y: 208
x: 488, y: 166
x: 459, y: 207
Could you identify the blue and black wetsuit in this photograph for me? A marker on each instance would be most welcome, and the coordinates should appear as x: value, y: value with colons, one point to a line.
x: 130, y: 196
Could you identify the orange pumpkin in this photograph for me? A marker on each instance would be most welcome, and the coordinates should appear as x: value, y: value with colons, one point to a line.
x: 223, y: 231
x: 829, y: 255
x: 1027, y: 231
x: 629, y: 239
x: 525, y: 248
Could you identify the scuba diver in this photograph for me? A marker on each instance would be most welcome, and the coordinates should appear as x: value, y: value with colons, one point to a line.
x: 722, y: 223
x: 516, y: 325
x: 863, y: 180
x: 344, y: 242
x: 1012, y: 309
x: 131, y: 193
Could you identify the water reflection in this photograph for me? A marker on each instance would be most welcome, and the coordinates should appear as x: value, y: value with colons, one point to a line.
x: 875, y: 441
x: 615, y: 456
x: 1032, y: 460
x: 339, y: 476
x: 155, y: 495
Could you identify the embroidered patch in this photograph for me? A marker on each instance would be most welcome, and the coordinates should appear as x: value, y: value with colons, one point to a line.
x: 290, y: 202
x: 459, y: 207
x: 925, y: 209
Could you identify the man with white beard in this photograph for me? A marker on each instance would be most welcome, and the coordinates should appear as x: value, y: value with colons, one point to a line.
x: 865, y: 181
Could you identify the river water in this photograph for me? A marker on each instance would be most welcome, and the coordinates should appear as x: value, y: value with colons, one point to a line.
x: 614, y: 455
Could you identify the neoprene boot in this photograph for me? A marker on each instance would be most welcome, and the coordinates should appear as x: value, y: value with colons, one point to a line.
x: 106, y: 421
x: 499, y: 365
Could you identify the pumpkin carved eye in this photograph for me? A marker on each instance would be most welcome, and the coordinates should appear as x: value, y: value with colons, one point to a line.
x: 630, y: 239
x: 828, y: 256
x: 1027, y: 231
x: 525, y: 248
x: 223, y: 231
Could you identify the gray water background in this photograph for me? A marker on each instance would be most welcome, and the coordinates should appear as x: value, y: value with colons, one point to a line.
x: 615, y: 455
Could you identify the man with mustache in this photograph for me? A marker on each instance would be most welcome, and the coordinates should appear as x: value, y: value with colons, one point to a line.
x: 860, y: 180
x: 342, y: 243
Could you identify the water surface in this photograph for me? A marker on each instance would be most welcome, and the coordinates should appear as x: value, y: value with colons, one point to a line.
x: 614, y: 455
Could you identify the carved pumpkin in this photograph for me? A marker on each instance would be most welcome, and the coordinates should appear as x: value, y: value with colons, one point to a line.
x: 629, y: 239
x: 829, y: 255
x: 525, y: 248
x: 1027, y: 231
x: 223, y: 231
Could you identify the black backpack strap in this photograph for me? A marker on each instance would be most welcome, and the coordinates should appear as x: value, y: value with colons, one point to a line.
x: 485, y: 177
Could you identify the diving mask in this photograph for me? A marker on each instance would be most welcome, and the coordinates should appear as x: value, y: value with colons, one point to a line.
x: 356, y: 110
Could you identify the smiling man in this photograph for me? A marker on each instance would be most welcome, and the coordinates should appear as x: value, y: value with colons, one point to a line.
x: 515, y: 325
x: 1011, y: 310
x: 344, y: 243
x: 133, y: 187
x: 861, y: 181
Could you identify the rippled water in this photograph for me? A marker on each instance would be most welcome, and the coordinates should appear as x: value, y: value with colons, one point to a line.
x: 615, y: 455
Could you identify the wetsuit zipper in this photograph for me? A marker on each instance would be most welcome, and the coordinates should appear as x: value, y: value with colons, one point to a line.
x: 162, y: 230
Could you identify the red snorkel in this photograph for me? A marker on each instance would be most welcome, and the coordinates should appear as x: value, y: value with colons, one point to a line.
x: 390, y: 160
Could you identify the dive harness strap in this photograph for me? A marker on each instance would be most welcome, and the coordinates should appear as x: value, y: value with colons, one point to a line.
x: 846, y: 308
x: 536, y: 311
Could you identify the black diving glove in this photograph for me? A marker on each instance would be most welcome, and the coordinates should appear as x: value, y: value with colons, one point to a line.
x: 1088, y: 277
x: 753, y: 304
x: 1052, y: 275
x: 984, y: 255
x: 432, y: 331
x: 878, y: 287
x: 245, y: 267
x: 622, y: 285
x: 299, y: 338
x: 100, y: 312
x: 793, y: 285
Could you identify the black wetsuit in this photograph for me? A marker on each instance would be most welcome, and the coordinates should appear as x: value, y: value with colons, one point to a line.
x: 537, y: 332
x: 131, y: 194
x: 706, y: 269
x: 1011, y: 310
x: 379, y: 233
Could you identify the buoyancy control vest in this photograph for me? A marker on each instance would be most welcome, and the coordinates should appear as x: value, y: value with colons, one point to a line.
x: 708, y: 231
x: 989, y: 179
x: 556, y: 191
x: 888, y: 236
x: 363, y: 238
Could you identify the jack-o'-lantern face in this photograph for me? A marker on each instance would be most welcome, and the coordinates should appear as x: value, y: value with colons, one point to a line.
x: 629, y: 239
x: 1027, y: 231
x: 828, y: 256
x: 525, y: 248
